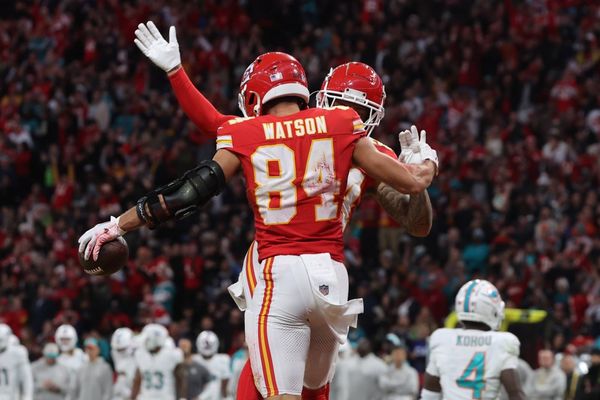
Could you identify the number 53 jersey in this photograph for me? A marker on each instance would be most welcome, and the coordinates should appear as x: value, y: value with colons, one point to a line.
x: 158, y: 372
x: 469, y: 362
x: 296, y: 168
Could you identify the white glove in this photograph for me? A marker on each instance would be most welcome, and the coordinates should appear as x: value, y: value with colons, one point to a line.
x: 163, y: 54
x: 415, y: 150
x: 91, y: 241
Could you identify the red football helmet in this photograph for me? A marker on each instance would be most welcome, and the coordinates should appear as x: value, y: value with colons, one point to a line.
x: 270, y: 76
x: 356, y: 83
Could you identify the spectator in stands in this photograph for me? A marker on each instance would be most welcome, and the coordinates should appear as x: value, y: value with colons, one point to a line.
x: 589, y: 384
x: 568, y: 364
x: 94, y: 379
x: 364, y: 374
x: 548, y: 381
x: 508, y: 92
x: 50, y: 379
x: 400, y: 381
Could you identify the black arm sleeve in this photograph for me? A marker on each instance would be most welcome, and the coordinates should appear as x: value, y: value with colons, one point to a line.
x: 183, y: 196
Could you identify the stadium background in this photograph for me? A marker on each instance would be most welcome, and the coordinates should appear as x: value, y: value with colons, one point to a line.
x: 507, y: 91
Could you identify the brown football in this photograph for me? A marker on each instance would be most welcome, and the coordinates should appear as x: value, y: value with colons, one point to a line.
x: 112, y: 257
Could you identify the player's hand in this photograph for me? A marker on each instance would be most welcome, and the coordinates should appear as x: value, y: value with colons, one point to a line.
x: 415, y: 149
x: 163, y: 54
x: 409, y: 143
x: 91, y: 241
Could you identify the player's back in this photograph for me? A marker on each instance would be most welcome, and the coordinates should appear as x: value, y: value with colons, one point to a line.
x: 296, y: 168
x: 12, y: 362
x: 469, y: 362
x: 157, y: 372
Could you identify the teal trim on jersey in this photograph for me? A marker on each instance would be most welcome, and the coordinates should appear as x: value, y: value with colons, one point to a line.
x: 468, y: 295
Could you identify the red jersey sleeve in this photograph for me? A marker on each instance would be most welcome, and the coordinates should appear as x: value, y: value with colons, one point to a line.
x: 382, y: 148
x: 351, y: 119
x: 369, y: 183
x: 197, y: 107
x: 228, y: 139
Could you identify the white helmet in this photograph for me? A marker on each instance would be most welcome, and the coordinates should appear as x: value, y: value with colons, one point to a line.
x: 155, y: 336
x: 122, y: 339
x: 13, y: 340
x: 479, y: 301
x: 5, y: 333
x: 207, y: 343
x: 65, y: 337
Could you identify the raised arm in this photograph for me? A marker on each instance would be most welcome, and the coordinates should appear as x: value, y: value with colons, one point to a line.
x: 175, y: 200
x: 197, y: 107
x: 166, y: 56
x: 387, y: 170
x: 414, y: 212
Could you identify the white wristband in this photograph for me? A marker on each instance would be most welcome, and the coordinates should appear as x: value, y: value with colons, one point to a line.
x: 116, y: 221
x: 429, y: 395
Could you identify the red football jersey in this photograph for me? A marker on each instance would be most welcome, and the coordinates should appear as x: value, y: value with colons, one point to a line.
x: 359, y: 182
x: 296, y: 169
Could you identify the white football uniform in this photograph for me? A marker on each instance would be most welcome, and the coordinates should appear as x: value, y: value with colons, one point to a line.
x: 219, y: 367
x: 125, y: 370
x: 327, y: 280
x: 469, y: 362
x: 73, y: 361
x: 158, y: 372
x: 16, y: 380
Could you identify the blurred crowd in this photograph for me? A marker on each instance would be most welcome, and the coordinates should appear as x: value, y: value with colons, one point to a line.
x: 507, y: 91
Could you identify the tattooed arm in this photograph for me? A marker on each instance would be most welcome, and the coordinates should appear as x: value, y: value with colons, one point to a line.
x: 414, y: 212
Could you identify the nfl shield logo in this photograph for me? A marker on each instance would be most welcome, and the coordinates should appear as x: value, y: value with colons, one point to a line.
x: 324, y: 289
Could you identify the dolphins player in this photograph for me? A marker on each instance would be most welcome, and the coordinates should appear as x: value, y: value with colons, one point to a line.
x: 155, y: 365
x: 472, y: 361
x: 16, y: 380
x: 70, y: 355
x: 122, y: 349
x: 219, y: 365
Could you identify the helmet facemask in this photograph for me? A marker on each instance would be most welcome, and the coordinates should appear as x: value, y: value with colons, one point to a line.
x: 328, y: 98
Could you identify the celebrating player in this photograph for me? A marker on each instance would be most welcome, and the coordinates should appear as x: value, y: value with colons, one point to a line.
x: 293, y: 159
x: 16, y: 380
x: 155, y: 365
x: 122, y: 352
x: 353, y: 84
x: 219, y: 365
x: 472, y: 361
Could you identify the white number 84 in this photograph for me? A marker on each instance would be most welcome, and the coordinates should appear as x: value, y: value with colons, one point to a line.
x: 319, y: 180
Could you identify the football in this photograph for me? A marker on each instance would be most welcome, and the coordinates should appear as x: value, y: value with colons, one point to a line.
x: 112, y: 257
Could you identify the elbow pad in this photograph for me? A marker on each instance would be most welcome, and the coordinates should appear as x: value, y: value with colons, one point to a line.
x: 183, y: 196
x: 429, y: 395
